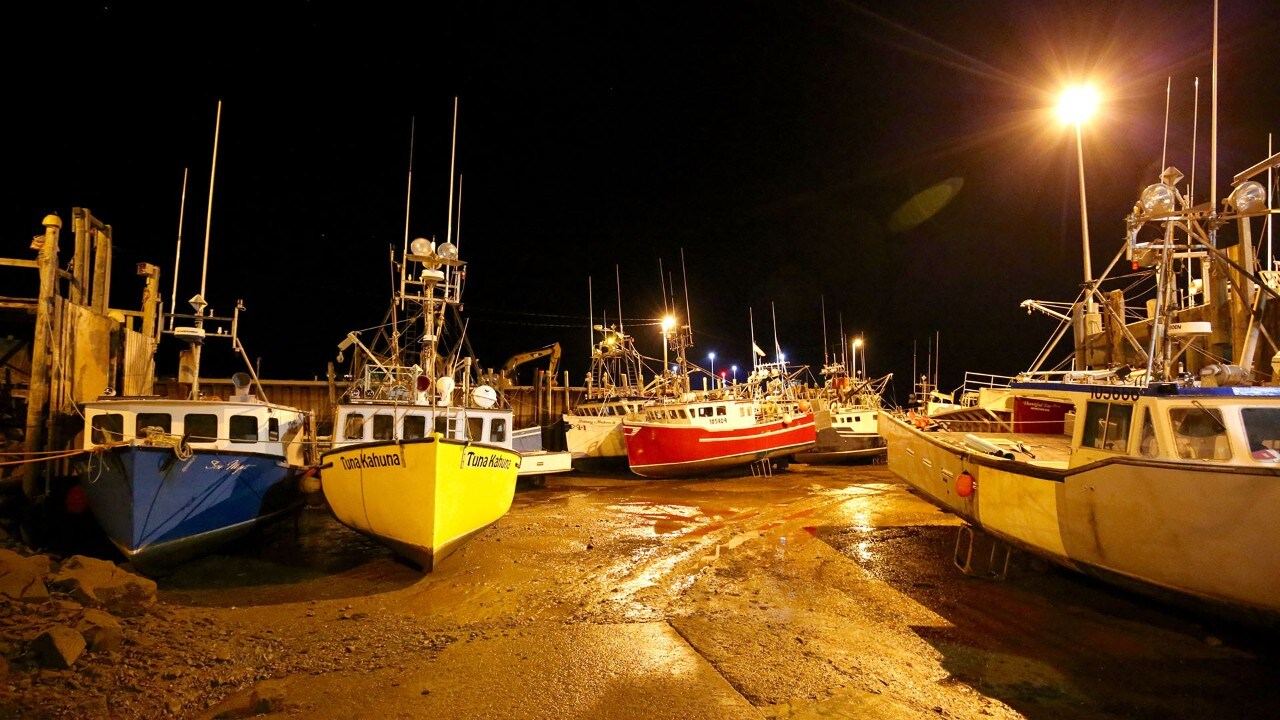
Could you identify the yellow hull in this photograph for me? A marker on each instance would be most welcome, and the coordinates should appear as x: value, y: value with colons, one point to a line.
x: 423, y: 498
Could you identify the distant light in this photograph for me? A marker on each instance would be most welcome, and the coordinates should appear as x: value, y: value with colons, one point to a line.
x: 857, y: 343
x: 1077, y: 104
x: 675, y: 368
x: 711, y: 356
x: 734, y: 368
x: 725, y: 373
x: 1157, y: 199
x: 782, y: 357
x: 668, y: 322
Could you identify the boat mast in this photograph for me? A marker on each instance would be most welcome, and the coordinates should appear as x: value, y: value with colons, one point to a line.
x: 826, y: 358
x: 198, y: 302
x: 453, y: 155
x: 182, y: 206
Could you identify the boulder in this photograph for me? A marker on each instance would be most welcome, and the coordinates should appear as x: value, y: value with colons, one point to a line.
x: 58, y: 647
x: 100, y: 583
x: 101, y: 631
x: 21, y: 579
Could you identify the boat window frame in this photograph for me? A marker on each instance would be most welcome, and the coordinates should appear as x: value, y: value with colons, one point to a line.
x: 415, y: 433
x: 146, y: 417
x: 190, y: 435
x: 100, y: 433
x: 498, y: 430
x: 1182, y: 450
x: 1115, y: 439
x: 273, y: 429
x: 237, y: 430
x: 354, y: 420
x: 1266, y: 455
x: 384, y: 427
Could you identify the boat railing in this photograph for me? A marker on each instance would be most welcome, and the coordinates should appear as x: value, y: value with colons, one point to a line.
x: 975, y: 382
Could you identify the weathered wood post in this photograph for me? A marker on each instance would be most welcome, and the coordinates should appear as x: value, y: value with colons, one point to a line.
x: 38, y: 391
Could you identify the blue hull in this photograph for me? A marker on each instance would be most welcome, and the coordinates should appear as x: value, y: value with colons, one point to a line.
x: 160, y: 510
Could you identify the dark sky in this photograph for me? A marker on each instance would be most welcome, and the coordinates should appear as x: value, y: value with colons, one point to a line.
x: 771, y: 141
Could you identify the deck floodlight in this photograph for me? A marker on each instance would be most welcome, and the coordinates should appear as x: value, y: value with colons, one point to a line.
x: 448, y: 251
x: 422, y: 246
x: 1157, y: 199
x: 1249, y: 196
x: 1077, y: 104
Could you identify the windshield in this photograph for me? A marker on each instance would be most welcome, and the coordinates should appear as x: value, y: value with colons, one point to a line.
x: 1199, y: 434
x: 1262, y: 427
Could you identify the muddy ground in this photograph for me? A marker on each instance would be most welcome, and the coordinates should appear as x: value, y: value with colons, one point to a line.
x: 822, y: 592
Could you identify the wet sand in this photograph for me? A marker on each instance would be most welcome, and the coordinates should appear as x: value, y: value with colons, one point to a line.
x: 822, y: 592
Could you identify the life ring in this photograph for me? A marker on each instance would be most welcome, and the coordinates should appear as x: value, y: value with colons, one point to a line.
x: 803, y: 405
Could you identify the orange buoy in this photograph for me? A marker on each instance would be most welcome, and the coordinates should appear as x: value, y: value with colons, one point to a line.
x: 965, y: 484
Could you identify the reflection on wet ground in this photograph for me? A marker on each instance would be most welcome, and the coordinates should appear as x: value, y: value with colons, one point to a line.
x: 823, y: 591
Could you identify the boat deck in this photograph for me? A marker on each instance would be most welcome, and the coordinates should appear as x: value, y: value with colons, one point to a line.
x: 1052, y: 451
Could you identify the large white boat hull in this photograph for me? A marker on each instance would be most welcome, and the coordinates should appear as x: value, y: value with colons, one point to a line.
x: 1204, y: 531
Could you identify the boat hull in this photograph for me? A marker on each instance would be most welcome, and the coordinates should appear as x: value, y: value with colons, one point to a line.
x: 1200, y: 531
x: 160, y: 510
x: 596, y: 441
x: 845, y: 441
x: 675, y: 450
x: 423, y: 498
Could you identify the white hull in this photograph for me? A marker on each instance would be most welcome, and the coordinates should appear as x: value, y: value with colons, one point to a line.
x: 1200, y: 530
x: 595, y: 437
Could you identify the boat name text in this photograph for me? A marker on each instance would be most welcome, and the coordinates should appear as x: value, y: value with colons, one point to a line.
x: 472, y: 459
x: 370, y: 460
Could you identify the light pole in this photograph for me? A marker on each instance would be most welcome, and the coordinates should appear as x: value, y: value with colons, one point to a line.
x: 712, y: 357
x: 857, y: 343
x: 1075, y: 106
x: 735, y: 374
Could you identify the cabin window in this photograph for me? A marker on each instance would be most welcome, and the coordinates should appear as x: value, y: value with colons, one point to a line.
x: 1148, y: 444
x: 720, y: 410
x: 1262, y: 427
x: 1107, y: 426
x: 384, y: 427
x: 442, y: 425
x: 684, y: 414
x: 201, y: 427
x: 244, y: 428
x: 273, y: 429
x: 475, y: 428
x: 704, y: 412
x: 108, y: 427
x: 354, y: 427
x: 415, y: 427
x: 1199, y: 433
x: 161, y: 421
x: 498, y: 430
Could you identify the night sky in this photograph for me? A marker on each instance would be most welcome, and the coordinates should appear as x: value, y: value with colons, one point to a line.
x: 771, y: 141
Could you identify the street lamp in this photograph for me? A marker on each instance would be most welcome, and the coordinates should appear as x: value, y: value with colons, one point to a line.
x: 735, y: 374
x: 712, y: 357
x: 1075, y: 106
x: 857, y: 343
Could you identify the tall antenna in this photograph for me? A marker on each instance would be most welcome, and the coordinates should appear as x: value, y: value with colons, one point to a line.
x: 1213, y: 123
x: 662, y: 281
x: 182, y: 206
x: 1164, y: 150
x: 688, y: 314
x: 1195, y: 128
x: 755, y: 356
x: 825, y: 358
x: 777, y: 349
x: 844, y: 358
x: 408, y: 193
x: 458, y: 245
x: 208, y: 217
x: 1270, y: 184
x: 617, y: 276
x: 591, y: 318
x: 453, y: 155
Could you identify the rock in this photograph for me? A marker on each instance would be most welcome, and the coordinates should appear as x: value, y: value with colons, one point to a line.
x: 267, y: 697
x: 21, y: 579
x: 264, y: 697
x: 100, y: 583
x: 58, y: 647
x: 101, y: 631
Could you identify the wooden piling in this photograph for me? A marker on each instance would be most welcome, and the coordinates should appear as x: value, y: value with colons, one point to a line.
x: 38, y: 391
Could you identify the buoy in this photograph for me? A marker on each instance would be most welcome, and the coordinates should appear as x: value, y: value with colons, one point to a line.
x: 309, y: 483
x: 965, y: 484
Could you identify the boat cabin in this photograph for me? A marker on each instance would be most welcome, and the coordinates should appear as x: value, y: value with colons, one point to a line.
x: 202, y: 424
x: 720, y: 414
x: 371, y: 423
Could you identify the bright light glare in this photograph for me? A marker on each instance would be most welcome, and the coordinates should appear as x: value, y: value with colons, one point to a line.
x: 668, y: 322
x: 711, y: 356
x: 1077, y: 104
x: 857, y: 343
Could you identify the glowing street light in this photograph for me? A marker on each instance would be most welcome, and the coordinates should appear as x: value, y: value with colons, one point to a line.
x: 1075, y: 106
x: 668, y: 322
x: 857, y: 343
x: 735, y: 374
x: 712, y: 356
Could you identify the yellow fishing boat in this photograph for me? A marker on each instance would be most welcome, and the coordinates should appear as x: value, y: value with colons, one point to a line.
x: 422, y: 497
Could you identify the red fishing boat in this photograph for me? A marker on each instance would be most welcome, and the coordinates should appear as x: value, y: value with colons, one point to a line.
x: 704, y: 435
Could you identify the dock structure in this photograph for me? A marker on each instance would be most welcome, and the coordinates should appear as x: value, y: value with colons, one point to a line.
x: 67, y: 345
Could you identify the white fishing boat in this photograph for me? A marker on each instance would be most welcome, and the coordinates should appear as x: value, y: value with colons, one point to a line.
x: 845, y: 412
x: 615, y: 388
x: 422, y: 455
x: 1152, y: 458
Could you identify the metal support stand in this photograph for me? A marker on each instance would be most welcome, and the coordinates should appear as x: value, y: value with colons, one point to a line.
x: 979, y: 555
x: 762, y: 468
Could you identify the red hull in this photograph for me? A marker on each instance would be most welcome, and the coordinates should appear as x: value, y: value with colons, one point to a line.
x: 668, y: 450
